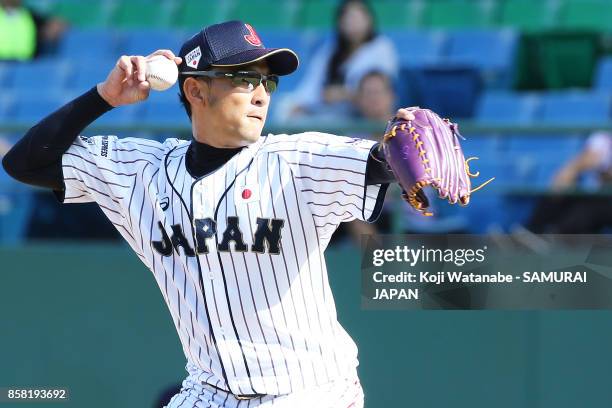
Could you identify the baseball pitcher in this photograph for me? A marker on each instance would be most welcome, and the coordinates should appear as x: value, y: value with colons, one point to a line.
x: 233, y: 224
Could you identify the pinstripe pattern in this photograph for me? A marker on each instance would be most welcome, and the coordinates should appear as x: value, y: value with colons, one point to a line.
x: 341, y: 393
x: 257, y: 317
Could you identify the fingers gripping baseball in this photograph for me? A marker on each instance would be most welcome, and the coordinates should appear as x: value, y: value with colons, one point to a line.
x: 140, y: 65
x: 127, y: 83
x: 166, y: 53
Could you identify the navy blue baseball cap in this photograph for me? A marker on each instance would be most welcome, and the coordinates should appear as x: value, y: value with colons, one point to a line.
x: 232, y: 44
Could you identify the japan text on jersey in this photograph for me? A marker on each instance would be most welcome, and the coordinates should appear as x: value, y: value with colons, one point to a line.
x: 238, y: 253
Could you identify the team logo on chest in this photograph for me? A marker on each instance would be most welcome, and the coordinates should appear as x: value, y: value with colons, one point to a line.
x: 267, y: 237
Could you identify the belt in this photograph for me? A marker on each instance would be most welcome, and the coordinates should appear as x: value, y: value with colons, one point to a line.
x: 238, y: 397
x: 248, y: 396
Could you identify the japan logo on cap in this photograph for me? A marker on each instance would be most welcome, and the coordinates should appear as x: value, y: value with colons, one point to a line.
x: 192, y: 59
x: 252, y: 38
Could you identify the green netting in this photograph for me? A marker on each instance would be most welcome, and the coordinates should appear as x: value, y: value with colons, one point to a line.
x: 317, y: 14
x: 458, y: 13
x: 83, y: 14
x: 589, y: 14
x: 141, y: 13
x: 194, y: 14
x: 262, y: 13
x: 526, y: 14
x: 558, y: 60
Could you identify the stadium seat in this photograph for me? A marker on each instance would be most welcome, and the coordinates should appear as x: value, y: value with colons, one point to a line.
x: 79, y: 13
x: 397, y: 14
x: 587, y: 14
x: 141, y: 14
x: 555, y: 146
x: 318, y: 14
x: 548, y: 60
x: 124, y: 115
x: 195, y: 14
x: 524, y: 168
x: 578, y: 108
x: 425, y: 46
x: 83, y: 80
x: 289, y: 83
x: 296, y: 41
x: 145, y: 41
x: 163, y: 108
x: 483, y: 48
x: 458, y: 13
x: 30, y: 109
x: 541, y: 155
x: 262, y: 14
x: 527, y: 15
x: 88, y: 44
x: 487, y: 147
x: 7, y: 105
x: 282, y: 38
x: 450, y: 91
x: 491, y: 51
x: 15, y: 210
x: 6, y: 70
x: 603, y: 75
x: 27, y: 76
x: 498, y: 166
x: 507, y: 108
x: 280, y: 107
x: 546, y: 172
x: 164, y: 112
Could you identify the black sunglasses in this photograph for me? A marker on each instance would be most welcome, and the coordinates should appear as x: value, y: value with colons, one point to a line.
x: 241, y: 79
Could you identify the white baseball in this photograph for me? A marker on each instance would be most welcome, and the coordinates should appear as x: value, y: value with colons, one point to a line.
x: 162, y: 73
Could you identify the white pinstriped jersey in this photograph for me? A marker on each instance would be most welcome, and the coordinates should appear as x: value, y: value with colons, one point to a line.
x: 238, y: 253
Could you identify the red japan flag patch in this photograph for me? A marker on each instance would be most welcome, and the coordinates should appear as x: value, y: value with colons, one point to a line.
x: 246, y: 194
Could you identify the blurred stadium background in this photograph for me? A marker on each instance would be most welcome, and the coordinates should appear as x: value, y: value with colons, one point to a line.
x: 528, y: 81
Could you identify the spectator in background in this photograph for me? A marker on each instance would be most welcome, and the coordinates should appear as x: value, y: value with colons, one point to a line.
x: 578, y: 214
x: 335, y: 71
x: 25, y: 34
x: 375, y: 98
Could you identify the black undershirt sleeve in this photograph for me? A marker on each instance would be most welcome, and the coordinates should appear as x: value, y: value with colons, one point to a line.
x: 36, y: 159
x: 377, y: 170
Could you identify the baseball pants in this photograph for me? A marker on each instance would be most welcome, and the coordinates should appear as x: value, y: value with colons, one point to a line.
x: 345, y: 393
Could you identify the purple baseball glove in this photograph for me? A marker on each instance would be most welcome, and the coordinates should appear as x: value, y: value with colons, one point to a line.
x: 424, y: 152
